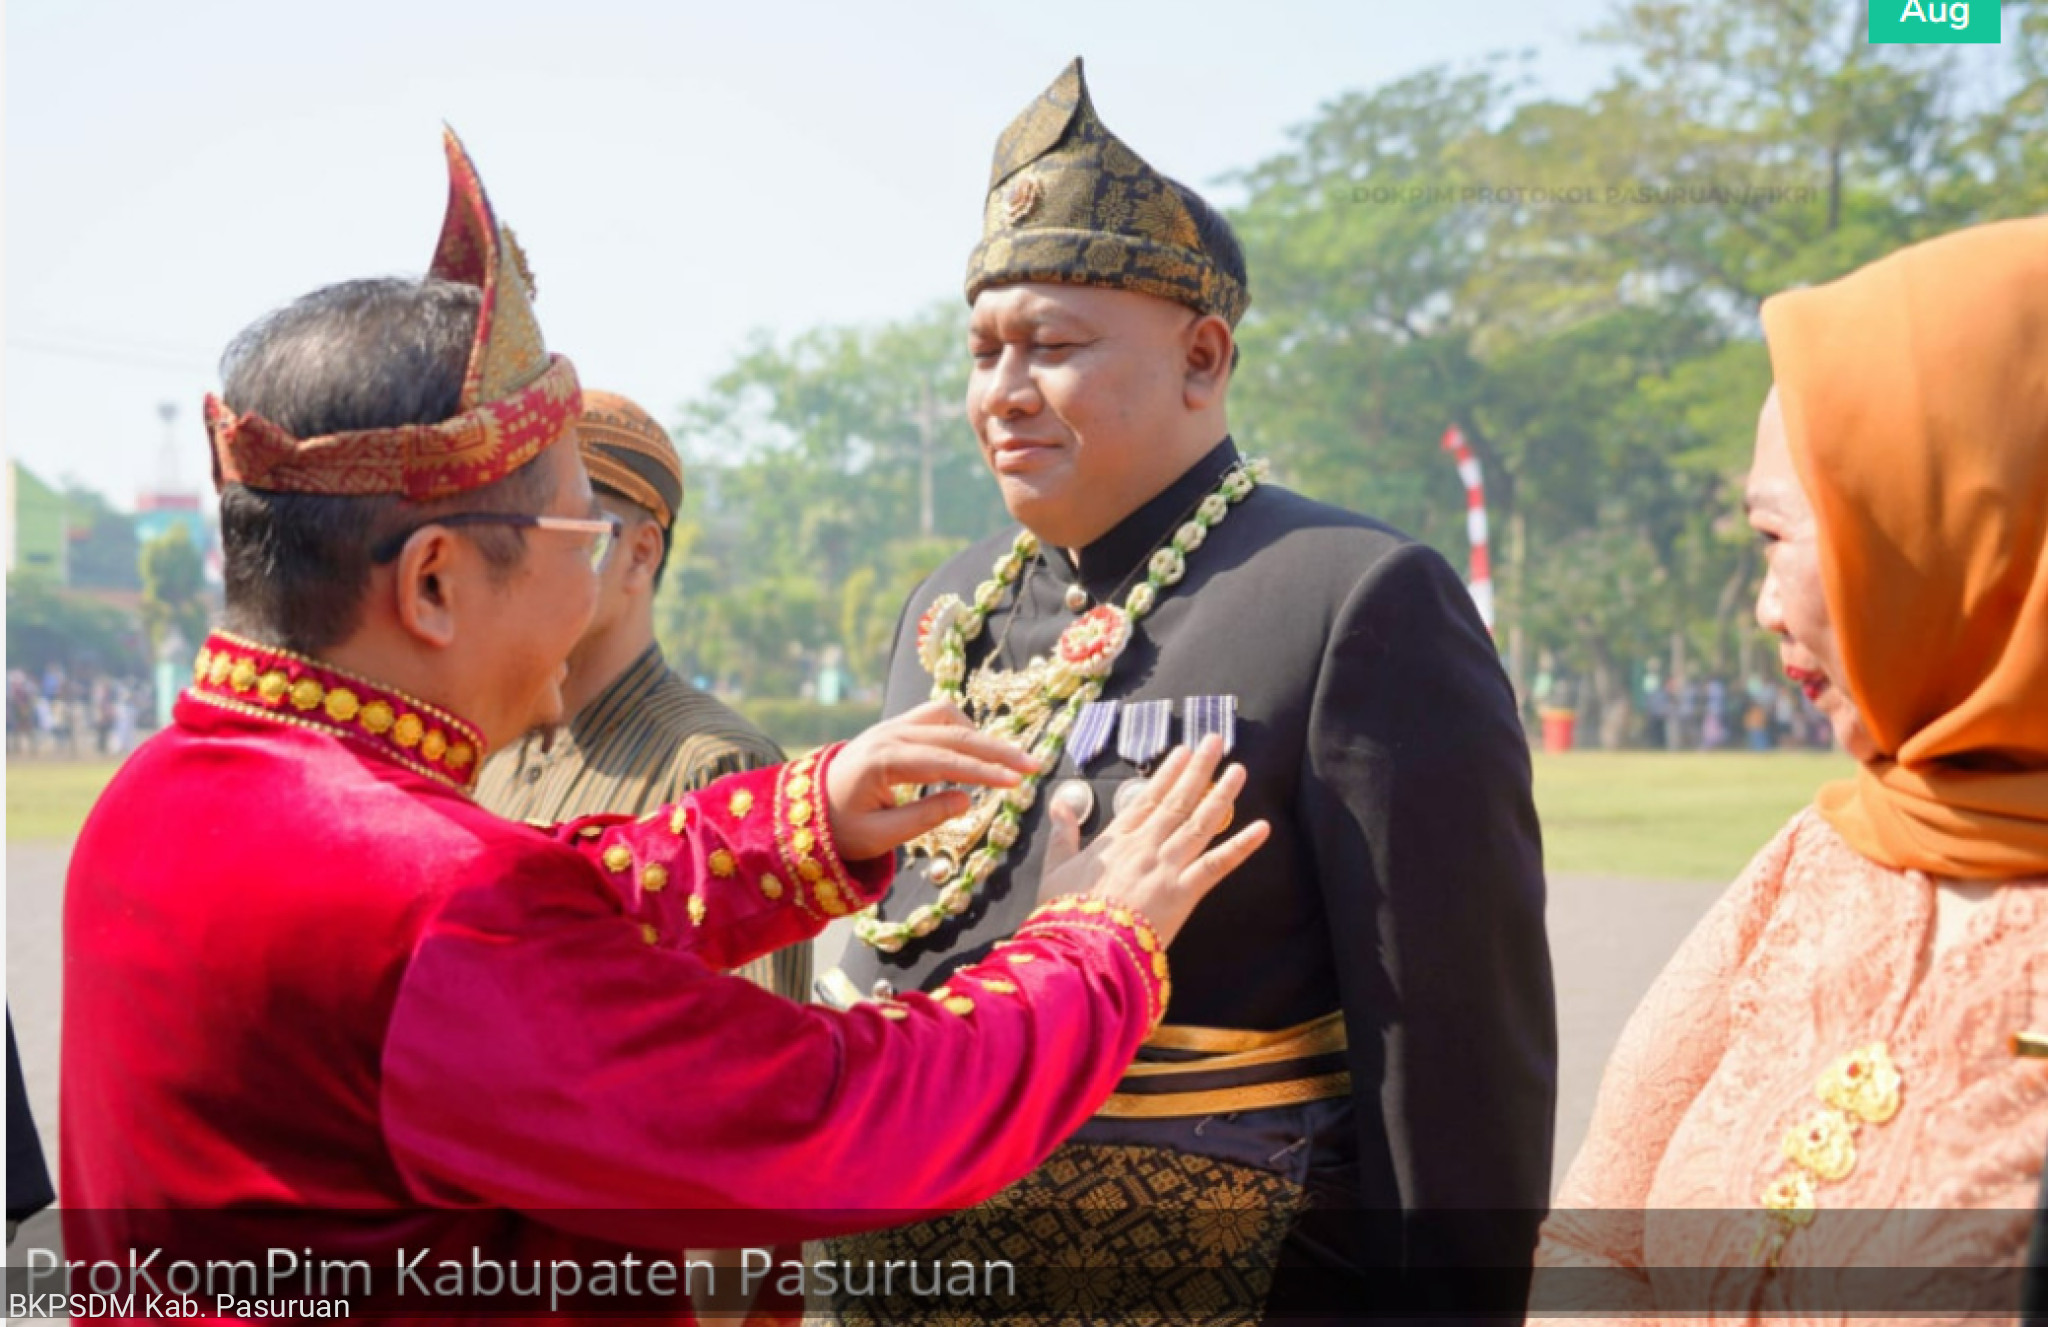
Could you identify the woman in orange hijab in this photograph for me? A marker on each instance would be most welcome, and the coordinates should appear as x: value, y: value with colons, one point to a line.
x: 1837, y: 1051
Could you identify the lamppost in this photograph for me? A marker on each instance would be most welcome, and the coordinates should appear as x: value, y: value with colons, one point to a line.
x: 167, y: 458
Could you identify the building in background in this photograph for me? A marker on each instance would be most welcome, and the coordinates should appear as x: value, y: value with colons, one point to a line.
x: 169, y: 503
x: 38, y: 527
x: 157, y: 512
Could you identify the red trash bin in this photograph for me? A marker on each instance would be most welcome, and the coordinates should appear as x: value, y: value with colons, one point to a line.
x: 1558, y: 727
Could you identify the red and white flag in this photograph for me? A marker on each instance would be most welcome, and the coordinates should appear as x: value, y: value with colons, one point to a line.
x: 1480, y: 579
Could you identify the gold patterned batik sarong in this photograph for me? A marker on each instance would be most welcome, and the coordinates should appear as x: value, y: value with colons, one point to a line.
x: 1097, y: 1234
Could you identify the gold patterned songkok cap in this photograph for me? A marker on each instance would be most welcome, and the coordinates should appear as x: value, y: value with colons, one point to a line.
x: 517, y: 399
x: 1069, y: 202
x: 629, y: 454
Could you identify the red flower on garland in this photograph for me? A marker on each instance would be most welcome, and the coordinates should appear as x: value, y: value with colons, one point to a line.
x: 1090, y: 646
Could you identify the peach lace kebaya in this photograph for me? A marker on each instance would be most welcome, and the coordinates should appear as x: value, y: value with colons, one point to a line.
x: 1817, y: 1111
x: 1816, y: 953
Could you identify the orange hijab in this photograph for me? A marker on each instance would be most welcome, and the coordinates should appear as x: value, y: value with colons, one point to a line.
x: 1915, y: 394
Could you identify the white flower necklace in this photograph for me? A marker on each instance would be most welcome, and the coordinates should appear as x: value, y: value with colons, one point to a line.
x: 1033, y: 707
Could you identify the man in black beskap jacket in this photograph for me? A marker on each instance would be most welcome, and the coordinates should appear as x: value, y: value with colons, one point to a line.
x: 1361, y: 1044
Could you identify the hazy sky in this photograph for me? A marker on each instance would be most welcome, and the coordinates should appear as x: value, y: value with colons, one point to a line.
x: 679, y: 174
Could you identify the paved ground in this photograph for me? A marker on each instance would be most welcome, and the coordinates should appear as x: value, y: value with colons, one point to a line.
x: 1609, y: 937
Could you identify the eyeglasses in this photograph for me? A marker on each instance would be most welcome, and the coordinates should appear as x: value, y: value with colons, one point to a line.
x: 606, y: 531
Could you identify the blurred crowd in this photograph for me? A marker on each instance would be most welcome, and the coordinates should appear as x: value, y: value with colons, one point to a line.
x: 1689, y: 714
x: 1717, y: 715
x: 77, y: 715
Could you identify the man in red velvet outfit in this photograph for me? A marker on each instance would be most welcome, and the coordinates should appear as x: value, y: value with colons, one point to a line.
x: 321, y: 1006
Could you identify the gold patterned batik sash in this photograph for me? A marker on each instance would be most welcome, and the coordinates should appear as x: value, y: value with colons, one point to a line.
x: 1099, y: 1233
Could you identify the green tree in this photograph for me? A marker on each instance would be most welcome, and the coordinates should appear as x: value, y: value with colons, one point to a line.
x: 831, y: 473
x: 47, y: 625
x: 1573, y: 284
x: 105, y: 553
x: 173, y: 589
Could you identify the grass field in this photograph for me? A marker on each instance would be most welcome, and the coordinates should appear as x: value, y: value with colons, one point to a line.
x: 1644, y: 813
x: 48, y: 799
x: 1677, y: 817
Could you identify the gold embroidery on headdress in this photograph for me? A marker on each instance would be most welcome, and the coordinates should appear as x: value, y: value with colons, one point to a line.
x: 1024, y: 196
x: 1069, y: 201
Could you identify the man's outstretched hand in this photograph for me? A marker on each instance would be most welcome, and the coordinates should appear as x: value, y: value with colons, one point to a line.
x: 1155, y: 856
x: 933, y: 743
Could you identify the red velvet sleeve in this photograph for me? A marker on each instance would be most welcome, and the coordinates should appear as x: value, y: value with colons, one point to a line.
x: 743, y: 868
x: 542, y: 1057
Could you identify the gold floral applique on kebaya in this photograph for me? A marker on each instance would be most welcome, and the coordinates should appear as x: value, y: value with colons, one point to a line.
x: 1862, y: 1087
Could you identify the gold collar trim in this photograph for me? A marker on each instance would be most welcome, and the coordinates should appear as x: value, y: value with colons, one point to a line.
x: 270, y: 683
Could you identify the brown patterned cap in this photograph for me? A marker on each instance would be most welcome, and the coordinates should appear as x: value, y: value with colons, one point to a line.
x: 629, y: 454
x: 1068, y: 201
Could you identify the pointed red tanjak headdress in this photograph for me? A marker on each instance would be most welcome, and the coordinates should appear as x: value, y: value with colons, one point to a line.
x: 517, y: 399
